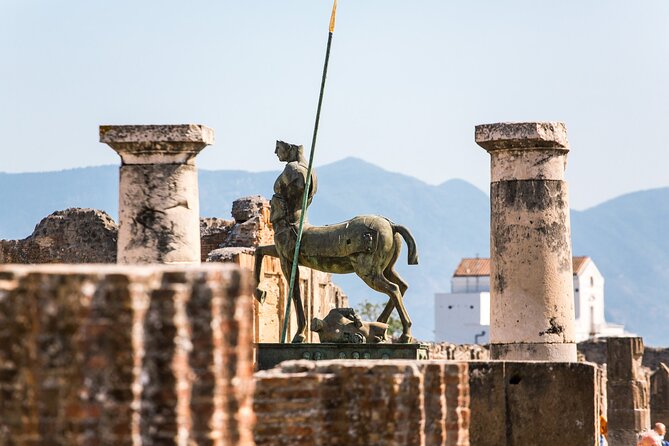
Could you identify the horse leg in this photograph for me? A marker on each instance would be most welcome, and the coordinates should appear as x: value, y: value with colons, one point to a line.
x: 390, y: 274
x: 395, y: 278
x: 262, y: 251
x: 383, y: 285
x: 301, y: 335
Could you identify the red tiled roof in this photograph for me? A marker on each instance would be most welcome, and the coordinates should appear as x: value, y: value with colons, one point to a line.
x: 481, y: 266
x: 473, y: 267
x: 579, y: 262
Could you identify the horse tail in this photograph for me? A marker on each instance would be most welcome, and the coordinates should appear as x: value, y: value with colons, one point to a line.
x: 411, y: 243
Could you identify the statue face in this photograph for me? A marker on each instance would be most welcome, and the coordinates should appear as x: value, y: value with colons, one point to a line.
x: 282, y: 152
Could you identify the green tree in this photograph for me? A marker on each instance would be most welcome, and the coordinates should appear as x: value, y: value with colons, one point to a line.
x: 369, y: 311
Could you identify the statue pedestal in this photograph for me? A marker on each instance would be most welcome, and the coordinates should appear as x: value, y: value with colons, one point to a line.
x: 268, y: 355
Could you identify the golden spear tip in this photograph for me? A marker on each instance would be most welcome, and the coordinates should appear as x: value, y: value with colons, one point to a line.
x: 332, y: 17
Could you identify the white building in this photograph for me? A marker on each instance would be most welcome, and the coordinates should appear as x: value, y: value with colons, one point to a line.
x: 463, y: 315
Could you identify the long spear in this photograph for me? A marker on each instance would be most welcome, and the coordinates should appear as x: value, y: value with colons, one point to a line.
x: 293, y: 270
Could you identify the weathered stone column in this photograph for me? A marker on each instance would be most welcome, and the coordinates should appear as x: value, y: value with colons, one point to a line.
x: 532, y: 297
x: 159, y: 208
x: 627, y: 390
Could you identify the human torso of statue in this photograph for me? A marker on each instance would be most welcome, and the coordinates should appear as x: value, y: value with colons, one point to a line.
x: 286, y: 203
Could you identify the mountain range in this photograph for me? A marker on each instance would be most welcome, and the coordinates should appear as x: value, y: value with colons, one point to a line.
x: 626, y: 236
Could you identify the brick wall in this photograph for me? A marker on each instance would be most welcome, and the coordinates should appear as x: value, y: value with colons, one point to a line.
x: 149, y: 355
x: 213, y: 233
x: 363, y: 403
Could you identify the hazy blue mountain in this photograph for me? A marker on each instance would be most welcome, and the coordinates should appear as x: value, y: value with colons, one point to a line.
x: 625, y: 236
x: 629, y: 241
x: 26, y: 198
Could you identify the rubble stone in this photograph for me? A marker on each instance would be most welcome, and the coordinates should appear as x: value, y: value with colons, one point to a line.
x: 247, y: 208
x: 74, y: 235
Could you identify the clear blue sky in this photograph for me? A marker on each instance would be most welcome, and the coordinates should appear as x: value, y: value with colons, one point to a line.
x: 409, y: 80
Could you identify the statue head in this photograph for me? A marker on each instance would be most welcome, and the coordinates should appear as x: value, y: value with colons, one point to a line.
x: 343, y: 326
x: 288, y: 152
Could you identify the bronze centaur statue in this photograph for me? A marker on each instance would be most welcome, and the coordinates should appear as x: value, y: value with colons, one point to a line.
x: 367, y: 245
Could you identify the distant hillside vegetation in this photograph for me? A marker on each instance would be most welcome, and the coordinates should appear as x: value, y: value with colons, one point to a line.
x: 625, y: 236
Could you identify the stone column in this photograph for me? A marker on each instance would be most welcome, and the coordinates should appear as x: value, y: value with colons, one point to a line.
x: 159, y: 208
x: 627, y: 390
x: 531, y: 285
x: 659, y: 394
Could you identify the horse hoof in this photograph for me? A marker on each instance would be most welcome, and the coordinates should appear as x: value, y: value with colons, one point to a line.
x: 405, y: 339
x: 299, y: 339
x: 261, y: 295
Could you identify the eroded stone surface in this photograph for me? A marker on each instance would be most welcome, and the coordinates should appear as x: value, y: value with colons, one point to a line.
x: 513, y: 164
x: 627, y: 390
x: 531, y: 403
x: 659, y: 394
x: 74, y: 235
x: 532, y: 263
x: 521, y: 135
x: 228, y: 254
x: 246, y: 208
x: 157, y: 144
x: 159, y: 214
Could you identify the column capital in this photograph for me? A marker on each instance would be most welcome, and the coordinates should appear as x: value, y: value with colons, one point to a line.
x: 522, y: 135
x: 157, y: 144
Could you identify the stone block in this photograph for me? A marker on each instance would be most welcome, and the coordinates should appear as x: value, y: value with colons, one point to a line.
x: 628, y: 385
x: 245, y: 208
x: 513, y: 403
x: 624, y: 357
x: 659, y: 394
x: 628, y: 395
x: 520, y: 135
x: 157, y: 144
x: 269, y: 355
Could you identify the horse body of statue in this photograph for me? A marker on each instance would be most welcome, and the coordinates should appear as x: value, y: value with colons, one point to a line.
x: 367, y: 245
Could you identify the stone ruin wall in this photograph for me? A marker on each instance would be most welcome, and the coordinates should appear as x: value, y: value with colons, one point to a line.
x: 74, y: 235
x: 433, y: 402
x: 392, y: 403
x: 90, y: 236
x: 649, y: 394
